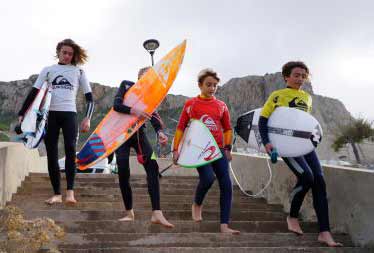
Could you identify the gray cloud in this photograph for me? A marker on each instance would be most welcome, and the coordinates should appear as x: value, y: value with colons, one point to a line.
x: 237, y: 38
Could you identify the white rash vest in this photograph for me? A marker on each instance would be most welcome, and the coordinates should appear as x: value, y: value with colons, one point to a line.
x: 65, y: 81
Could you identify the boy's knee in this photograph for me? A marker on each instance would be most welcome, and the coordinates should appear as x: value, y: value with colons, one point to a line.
x: 208, y: 182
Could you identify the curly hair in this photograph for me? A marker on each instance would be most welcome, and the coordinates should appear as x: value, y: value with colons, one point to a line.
x: 80, y: 55
x: 289, y: 66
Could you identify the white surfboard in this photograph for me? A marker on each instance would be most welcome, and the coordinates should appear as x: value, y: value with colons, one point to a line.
x: 292, y: 132
x: 198, y: 146
x: 35, y: 120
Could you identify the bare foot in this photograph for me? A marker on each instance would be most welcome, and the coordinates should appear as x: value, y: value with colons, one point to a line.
x: 130, y: 216
x: 158, y: 218
x: 326, y: 238
x: 69, y: 199
x: 54, y: 199
x: 294, y: 226
x: 226, y: 230
x: 196, y: 212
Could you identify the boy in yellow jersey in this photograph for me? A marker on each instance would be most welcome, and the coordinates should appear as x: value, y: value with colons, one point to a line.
x: 306, y: 168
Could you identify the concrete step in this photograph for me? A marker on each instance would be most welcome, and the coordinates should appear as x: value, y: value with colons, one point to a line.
x: 180, y: 227
x: 91, y: 176
x: 167, y: 185
x: 31, y: 189
x: 92, y: 225
x: 183, y: 239
x: 141, y: 215
x: 145, y: 198
x: 113, y: 179
x: 138, y: 204
x: 221, y: 250
x: 198, y: 240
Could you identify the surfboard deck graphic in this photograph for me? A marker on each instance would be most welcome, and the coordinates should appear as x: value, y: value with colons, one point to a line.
x: 291, y: 131
x: 34, y: 122
x: 146, y: 94
x: 198, y: 146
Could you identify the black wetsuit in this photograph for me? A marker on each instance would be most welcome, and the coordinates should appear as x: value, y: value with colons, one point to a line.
x: 306, y: 168
x: 140, y: 143
x: 65, y: 81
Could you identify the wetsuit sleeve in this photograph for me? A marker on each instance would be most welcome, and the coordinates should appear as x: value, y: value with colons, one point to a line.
x: 227, y: 139
x: 90, y: 106
x: 263, y: 128
x: 84, y: 83
x: 42, y: 77
x: 29, y: 99
x: 227, y: 129
x: 177, y: 139
x: 118, y: 105
x: 157, y: 122
x: 182, y: 124
x: 225, y: 120
x: 267, y: 110
x: 184, y: 119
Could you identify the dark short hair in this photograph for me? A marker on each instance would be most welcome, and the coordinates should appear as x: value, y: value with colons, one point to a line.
x: 205, y: 73
x: 289, y: 66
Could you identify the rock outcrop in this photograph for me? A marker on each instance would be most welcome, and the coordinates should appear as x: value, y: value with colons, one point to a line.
x: 240, y: 94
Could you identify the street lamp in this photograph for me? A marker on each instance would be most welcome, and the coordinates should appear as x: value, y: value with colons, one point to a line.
x: 151, y: 46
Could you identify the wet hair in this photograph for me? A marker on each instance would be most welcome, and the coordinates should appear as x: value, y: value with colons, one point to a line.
x: 142, y: 71
x: 289, y: 66
x: 205, y: 73
x: 80, y: 55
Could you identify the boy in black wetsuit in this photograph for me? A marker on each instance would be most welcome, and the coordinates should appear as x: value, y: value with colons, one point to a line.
x: 144, y: 151
x: 65, y: 79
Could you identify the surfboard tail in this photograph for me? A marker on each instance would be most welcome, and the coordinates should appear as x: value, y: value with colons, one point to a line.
x: 244, y: 125
x: 91, y: 151
x: 198, y: 146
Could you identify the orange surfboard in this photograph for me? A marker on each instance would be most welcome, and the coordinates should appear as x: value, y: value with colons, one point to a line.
x: 146, y: 94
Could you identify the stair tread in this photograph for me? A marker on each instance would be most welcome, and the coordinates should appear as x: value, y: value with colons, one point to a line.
x: 92, y: 225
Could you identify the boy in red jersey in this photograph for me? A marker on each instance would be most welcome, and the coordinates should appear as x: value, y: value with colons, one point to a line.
x: 215, y: 115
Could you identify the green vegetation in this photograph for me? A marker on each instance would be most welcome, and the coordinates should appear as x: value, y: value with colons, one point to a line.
x: 4, y: 137
x: 353, y: 134
x: 4, y: 126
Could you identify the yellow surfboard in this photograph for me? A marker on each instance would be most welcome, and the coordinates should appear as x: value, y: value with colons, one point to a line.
x: 146, y: 94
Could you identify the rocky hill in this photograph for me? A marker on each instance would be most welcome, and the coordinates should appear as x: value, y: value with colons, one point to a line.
x: 240, y: 94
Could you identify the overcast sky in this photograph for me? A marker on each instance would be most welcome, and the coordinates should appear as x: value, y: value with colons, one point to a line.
x: 236, y: 38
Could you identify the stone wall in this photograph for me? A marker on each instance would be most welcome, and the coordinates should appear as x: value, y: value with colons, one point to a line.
x: 351, y: 205
x: 16, y: 162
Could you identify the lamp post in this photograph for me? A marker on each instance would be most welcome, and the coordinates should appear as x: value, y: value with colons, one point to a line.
x: 151, y: 46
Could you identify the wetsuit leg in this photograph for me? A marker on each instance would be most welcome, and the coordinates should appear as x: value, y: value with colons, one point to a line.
x: 123, y: 164
x: 221, y: 169
x: 305, y: 179
x: 206, y: 180
x: 51, y: 144
x: 320, y: 202
x: 69, y: 127
x: 144, y: 148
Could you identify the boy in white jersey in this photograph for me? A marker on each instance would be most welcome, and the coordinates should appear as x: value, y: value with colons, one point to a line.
x: 65, y: 78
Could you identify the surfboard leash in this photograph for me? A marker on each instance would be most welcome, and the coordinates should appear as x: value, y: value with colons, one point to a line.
x: 259, y: 193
